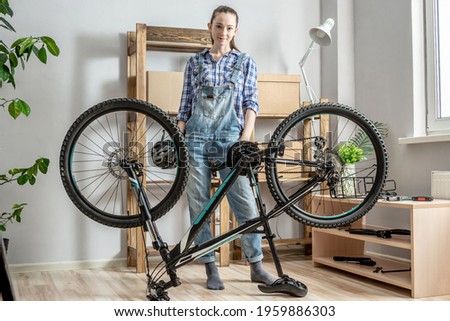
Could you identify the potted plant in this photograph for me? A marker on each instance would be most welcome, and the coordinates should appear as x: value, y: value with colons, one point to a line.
x: 353, y: 151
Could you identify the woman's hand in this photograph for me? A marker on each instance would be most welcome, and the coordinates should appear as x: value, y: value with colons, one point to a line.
x: 245, y: 137
x: 181, y: 125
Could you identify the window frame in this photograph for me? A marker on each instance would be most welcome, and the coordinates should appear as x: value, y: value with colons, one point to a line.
x: 434, y: 124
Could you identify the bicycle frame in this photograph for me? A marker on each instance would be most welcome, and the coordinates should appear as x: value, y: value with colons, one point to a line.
x: 183, y: 252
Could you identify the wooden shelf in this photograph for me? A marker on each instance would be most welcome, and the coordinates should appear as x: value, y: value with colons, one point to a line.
x: 401, y: 279
x: 428, y: 245
x: 399, y: 241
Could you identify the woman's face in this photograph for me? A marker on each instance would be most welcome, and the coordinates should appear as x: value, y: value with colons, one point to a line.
x: 223, y: 28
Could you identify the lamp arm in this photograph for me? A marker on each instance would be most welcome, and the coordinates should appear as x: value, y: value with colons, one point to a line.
x: 312, y: 96
x: 306, y: 55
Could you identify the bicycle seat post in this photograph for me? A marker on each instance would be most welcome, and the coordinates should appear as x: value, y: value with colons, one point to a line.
x: 269, y: 236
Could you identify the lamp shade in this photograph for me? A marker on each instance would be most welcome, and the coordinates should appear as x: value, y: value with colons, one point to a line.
x: 321, y: 34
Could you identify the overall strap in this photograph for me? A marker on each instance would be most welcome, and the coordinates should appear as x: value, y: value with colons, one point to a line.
x: 201, y: 60
x: 237, y: 68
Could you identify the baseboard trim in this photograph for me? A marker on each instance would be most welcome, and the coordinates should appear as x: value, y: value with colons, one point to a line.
x: 68, y: 265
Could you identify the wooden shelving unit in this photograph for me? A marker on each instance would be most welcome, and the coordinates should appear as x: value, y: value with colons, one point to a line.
x: 428, y: 245
x: 279, y: 96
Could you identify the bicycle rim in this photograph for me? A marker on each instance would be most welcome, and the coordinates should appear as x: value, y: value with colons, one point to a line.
x: 97, y: 144
x: 339, y: 149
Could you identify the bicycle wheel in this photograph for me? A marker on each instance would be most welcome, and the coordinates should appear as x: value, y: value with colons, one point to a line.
x: 311, y: 154
x: 93, y: 152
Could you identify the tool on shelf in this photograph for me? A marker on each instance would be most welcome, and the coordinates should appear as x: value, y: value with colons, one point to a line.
x: 355, y: 260
x: 391, y: 196
x: 385, y: 234
x: 380, y: 269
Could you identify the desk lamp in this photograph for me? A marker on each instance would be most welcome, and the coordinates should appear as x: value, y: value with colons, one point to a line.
x: 322, y: 36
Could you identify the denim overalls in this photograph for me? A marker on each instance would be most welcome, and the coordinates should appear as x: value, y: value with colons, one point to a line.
x: 210, y: 132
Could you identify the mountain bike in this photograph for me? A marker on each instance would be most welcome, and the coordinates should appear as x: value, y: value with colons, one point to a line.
x: 124, y: 163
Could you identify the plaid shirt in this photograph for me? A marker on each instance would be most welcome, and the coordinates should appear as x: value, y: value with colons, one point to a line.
x: 218, y: 74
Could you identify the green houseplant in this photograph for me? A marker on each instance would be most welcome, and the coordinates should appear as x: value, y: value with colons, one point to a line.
x: 359, y: 146
x: 11, y: 58
x: 353, y: 151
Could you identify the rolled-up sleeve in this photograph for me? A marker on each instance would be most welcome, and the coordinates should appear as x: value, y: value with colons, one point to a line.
x: 250, y: 93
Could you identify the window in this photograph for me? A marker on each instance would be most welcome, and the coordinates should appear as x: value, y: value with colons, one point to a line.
x: 438, y: 65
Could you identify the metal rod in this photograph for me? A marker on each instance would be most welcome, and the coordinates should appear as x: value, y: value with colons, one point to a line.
x: 312, y: 96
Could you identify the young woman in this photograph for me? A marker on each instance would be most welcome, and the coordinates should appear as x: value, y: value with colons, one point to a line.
x: 218, y: 107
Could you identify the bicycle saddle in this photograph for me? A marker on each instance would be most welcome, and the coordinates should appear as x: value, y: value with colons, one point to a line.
x: 285, y: 285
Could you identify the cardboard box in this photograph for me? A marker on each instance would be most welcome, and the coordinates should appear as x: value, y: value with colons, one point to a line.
x: 278, y: 95
x: 164, y: 90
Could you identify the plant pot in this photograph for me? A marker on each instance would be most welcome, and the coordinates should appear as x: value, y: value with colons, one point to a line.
x: 348, y: 181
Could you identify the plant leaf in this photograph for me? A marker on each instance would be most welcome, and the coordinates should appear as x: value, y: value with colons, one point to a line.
x: 32, y: 180
x: 51, y: 45
x: 26, y: 46
x: 18, y: 206
x: 4, y: 73
x: 6, y: 9
x: 43, y: 164
x: 15, y: 171
x: 7, y: 25
x: 24, y: 107
x: 14, y: 109
x: 33, y: 170
x: 18, y: 42
x: 3, y: 58
x: 22, y: 179
x: 3, y: 48
x: 13, y: 60
x: 42, y: 55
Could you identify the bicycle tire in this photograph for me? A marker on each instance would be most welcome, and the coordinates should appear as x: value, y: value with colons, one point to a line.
x: 96, y: 143
x: 328, y: 204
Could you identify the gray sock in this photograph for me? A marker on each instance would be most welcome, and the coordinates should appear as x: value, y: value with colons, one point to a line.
x: 213, y: 281
x: 258, y: 274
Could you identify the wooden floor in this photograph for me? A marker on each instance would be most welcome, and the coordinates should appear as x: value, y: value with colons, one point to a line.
x: 124, y: 284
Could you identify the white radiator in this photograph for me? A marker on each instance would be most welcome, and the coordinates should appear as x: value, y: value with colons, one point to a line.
x: 440, y: 184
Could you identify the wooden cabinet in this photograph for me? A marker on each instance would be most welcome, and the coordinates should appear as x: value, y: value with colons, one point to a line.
x: 428, y: 245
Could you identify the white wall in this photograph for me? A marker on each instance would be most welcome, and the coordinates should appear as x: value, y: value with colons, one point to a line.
x: 389, y: 87
x: 92, y: 68
x: 387, y: 82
